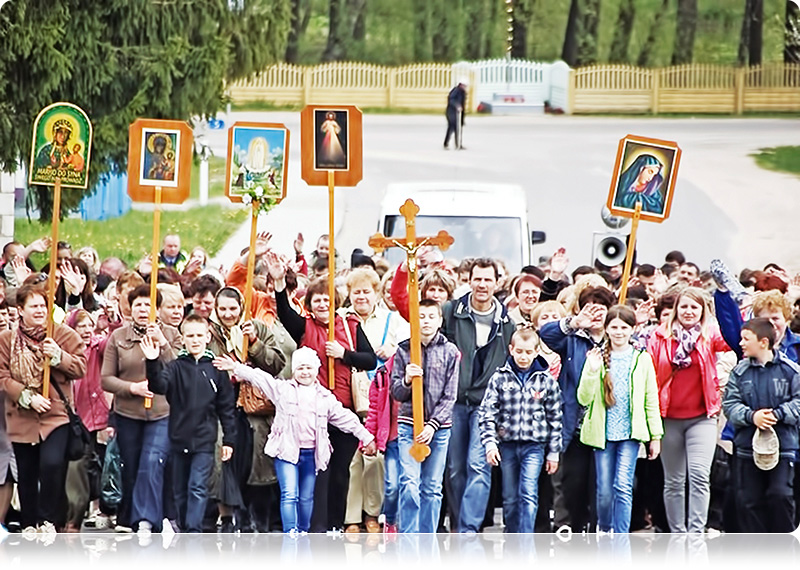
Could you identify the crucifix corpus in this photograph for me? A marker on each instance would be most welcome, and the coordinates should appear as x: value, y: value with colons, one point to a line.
x: 411, y: 244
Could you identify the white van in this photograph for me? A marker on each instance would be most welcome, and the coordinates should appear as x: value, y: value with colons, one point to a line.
x: 485, y: 219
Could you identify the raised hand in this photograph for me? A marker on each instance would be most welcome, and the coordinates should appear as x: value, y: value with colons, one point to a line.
x: 298, y: 244
x: 558, y: 263
x: 40, y: 245
x: 643, y: 311
x: 276, y: 266
x: 262, y: 243
x: 74, y: 280
x: 594, y: 359
x: 149, y: 348
x: 21, y: 270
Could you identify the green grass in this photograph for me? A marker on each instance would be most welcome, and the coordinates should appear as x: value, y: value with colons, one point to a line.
x: 781, y: 158
x: 130, y: 236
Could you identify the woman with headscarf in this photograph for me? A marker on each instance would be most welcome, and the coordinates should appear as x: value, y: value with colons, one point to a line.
x: 37, y: 423
x: 250, y: 467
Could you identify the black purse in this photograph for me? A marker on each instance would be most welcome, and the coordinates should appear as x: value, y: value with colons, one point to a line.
x: 79, y: 437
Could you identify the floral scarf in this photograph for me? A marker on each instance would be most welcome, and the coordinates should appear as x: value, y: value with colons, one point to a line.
x: 27, y: 359
x: 687, y: 340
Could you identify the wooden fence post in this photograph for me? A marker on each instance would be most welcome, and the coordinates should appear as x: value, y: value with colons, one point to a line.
x: 656, y: 83
x: 571, y: 83
x: 390, y: 87
x: 739, y: 86
x: 306, y: 85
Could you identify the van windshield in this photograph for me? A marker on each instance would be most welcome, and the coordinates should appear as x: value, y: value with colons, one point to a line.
x: 498, y: 238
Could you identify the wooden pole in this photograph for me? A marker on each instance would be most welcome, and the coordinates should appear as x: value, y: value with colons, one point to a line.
x: 626, y: 272
x: 251, y: 267
x: 51, y: 281
x: 418, y: 451
x: 148, y: 402
x: 331, y: 279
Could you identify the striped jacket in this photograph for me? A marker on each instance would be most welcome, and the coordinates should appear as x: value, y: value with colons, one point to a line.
x: 522, y: 409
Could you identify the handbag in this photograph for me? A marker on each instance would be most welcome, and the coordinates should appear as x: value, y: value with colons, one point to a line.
x: 111, y: 478
x: 359, y: 381
x: 253, y: 402
x: 79, y: 437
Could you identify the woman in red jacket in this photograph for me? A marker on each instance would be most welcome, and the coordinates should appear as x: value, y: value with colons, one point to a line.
x: 684, y: 353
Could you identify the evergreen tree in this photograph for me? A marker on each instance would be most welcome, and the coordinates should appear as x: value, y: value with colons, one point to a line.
x: 123, y: 59
x: 685, y: 27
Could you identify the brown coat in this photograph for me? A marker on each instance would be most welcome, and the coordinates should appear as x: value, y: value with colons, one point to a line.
x: 124, y: 363
x: 29, y: 426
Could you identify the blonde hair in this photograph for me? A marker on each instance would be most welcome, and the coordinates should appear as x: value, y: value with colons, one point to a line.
x: 547, y: 306
x: 171, y: 293
x: 363, y: 276
x: 772, y: 300
x: 699, y: 296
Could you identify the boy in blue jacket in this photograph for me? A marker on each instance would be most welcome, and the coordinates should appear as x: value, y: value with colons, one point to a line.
x: 520, y: 423
x: 763, y: 393
x: 199, y: 396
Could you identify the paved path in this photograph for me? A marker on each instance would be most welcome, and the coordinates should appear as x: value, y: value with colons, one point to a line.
x: 724, y: 206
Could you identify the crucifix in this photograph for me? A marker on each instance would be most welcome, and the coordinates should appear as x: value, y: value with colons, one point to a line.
x: 411, y: 244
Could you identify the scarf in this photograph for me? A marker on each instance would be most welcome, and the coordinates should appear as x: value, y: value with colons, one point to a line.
x: 27, y: 359
x: 687, y: 340
x: 138, y: 330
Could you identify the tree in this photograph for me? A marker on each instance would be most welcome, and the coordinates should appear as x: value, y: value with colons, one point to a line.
x: 423, y: 36
x: 523, y: 12
x: 685, y: 27
x: 580, y: 39
x: 301, y: 16
x: 622, y: 32
x: 646, y: 53
x: 791, y: 49
x: 346, y: 29
x: 751, y: 39
x: 123, y: 59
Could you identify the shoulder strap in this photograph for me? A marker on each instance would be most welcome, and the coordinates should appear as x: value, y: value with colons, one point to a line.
x: 386, y: 328
x: 347, y: 332
x: 55, y: 385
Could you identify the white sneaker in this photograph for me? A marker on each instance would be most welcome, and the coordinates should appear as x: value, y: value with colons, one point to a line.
x: 145, y: 529
x: 47, y: 528
x: 122, y: 529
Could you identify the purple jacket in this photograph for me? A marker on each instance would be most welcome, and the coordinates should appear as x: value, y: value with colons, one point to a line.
x: 283, y: 441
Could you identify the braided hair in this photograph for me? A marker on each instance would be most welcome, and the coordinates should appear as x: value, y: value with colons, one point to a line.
x: 628, y: 316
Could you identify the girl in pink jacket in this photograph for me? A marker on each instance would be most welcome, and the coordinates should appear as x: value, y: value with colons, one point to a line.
x: 299, y: 437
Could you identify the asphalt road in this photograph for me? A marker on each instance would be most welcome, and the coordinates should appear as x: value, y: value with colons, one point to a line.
x: 724, y: 205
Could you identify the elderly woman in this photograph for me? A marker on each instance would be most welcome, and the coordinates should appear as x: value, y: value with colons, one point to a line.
x: 173, y: 304
x: 37, y: 423
x: 384, y: 329
x: 252, y: 467
x: 141, y: 431
x: 350, y: 349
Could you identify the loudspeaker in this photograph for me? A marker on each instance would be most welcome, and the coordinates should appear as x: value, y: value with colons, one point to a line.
x: 609, y: 248
x: 614, y: 222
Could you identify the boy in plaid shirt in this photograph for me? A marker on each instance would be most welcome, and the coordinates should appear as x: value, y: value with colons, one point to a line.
x: 520, y: 423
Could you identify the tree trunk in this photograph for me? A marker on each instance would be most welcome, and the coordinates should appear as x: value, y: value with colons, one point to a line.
x: 335, y: 49
x: 587, y: 32
x: 645, y: 55
x: 756, y: 31
x: 622, y: 32
x: 523, y: 12
x: 791, y: 46
x: 744, y: 37
x: 569, y: 51
x: 685, y: 27
x: 295, y: 31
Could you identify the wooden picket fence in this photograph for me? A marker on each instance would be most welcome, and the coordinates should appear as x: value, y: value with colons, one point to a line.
x: 695, y: 88
x: 416, y: 86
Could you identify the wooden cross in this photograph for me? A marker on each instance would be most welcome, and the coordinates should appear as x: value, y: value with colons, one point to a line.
x: 411, y: 244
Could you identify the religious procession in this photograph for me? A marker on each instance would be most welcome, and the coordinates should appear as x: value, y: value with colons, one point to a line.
x: 312, y: 393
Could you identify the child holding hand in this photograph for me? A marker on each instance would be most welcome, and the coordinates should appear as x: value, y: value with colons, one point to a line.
x: 299, y: 438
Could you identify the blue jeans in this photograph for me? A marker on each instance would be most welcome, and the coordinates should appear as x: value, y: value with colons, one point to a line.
x: 470, y: 474
x: 297, y: 490
x: 520, y: 465
x: 391, y: 481
x: 143, y: 450
x: 421, y: 483
x: 615, y: 466
x: 190, y: 474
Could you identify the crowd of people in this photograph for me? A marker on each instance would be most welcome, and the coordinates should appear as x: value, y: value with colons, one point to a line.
x: 572, y: 402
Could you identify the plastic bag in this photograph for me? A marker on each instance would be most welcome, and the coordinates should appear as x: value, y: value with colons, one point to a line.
x: 111, y: 479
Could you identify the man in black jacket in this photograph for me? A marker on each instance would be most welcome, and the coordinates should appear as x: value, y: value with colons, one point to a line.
x: 456, y: 103
x: 199, y: 395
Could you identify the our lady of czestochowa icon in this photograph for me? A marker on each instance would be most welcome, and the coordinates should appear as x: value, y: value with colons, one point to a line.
x: 62, y: 140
